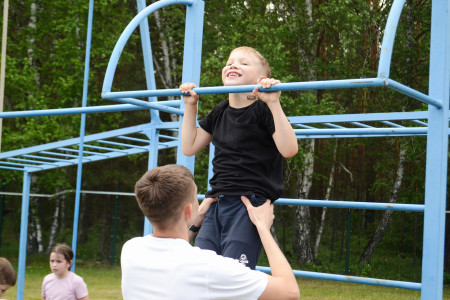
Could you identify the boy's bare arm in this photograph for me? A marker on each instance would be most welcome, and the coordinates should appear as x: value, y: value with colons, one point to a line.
x: 284, y: 136
x: 193, y: 139
x: 282, y: 284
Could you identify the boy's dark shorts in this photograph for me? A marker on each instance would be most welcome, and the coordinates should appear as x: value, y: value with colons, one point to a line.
x: 228, y: 231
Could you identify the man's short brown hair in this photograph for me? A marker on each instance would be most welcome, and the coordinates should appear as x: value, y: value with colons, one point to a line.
x: 7, y: 272
x: 261, y: 58
x: 162, y: 192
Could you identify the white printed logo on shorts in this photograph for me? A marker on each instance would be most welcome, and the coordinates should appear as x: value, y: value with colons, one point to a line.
x: 243, y: 259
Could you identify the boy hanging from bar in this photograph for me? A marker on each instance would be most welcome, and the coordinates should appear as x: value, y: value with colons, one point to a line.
x: 251, y: 135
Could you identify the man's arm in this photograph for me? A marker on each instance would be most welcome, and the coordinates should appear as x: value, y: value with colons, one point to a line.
x: 282, y: 284
x: 193, y: 139
x: 202, y: 209
x: 284, y: 136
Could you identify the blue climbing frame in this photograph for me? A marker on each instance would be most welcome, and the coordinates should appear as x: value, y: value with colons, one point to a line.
x: 148, y: 137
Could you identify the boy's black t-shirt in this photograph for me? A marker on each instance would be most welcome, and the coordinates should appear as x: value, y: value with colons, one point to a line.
x: 246, y: 159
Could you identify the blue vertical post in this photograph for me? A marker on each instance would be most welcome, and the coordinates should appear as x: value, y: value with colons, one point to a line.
x: 23, y: 234
x: 191, y: 63
x: 437, y: 152
x: 148, y: 57
x: 153, y: 134
x: 76, y: 213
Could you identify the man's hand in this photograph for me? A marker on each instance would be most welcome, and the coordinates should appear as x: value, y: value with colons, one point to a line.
x: 187, y: 88
x: 261, y: 216
x: 202, y: 209
x: 268, y: 97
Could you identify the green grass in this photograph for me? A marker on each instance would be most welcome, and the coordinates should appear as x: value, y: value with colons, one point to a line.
x: 103, y: 282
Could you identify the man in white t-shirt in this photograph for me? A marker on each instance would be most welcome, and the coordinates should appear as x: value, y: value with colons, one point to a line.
x: 165, y: 266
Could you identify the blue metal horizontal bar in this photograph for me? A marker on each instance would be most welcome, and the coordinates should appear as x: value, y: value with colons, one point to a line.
x: 352, y: 279
x: 291, y: 86
x: 171, y: 126
x: 304, y: 126
x: 69, y: 111
x: 333, y: 125
x: 15, y: 164
x: 412, y: 93
x: 345, y: 204
x: 122, y: 144
x: 351, y: 204
x: 363, y: 131
x: 150, y: 105
x: 38, y: 162
x: 44, y: 157
x: 166, y: 145
x: 84, y: 151
x: 58, y: 154
x: 420, y: 122
x: 105, y: 149
x: 361, y: 125
x: 392, y: 124
x: 134, y: 139
x: 392, y: 116
x: 169, y: 137
x: 351, y: 136
x: 11, y: 168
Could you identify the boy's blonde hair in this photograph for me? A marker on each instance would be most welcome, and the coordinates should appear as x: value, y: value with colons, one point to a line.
x: 7, y: 272
x: 263, y: 61
x: 162, y: 192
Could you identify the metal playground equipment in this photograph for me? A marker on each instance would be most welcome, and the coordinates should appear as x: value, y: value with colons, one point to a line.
x: 432, y: 123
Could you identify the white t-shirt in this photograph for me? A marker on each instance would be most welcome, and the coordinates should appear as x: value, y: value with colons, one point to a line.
x: 71, y: 287
x: 162, y: 268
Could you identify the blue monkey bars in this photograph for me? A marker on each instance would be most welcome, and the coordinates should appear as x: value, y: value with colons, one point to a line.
x: 148, y: 138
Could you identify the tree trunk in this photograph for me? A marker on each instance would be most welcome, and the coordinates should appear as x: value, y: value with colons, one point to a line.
x: 302, y: 219
x: 37, y: 222
x: 168, y: 72
x: 327, y: 197
x: 31, y: 41
x: 384, y: 224
x: 54, y: 226
x: 35, y: 236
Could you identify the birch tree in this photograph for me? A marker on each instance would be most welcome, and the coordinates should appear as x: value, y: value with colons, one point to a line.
x: 387, y: 215
x: 302, y: 217
x: 327, y: 197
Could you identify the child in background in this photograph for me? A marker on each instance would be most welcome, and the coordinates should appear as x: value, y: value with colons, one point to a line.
x: 62, y: 284
x: 251, y: 136
x: 7, y: 276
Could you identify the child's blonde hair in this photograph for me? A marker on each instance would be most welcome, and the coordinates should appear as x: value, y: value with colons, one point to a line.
x: 263, y: 61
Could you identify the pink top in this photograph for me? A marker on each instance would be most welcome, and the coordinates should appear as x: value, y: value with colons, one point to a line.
x: 71, y: 287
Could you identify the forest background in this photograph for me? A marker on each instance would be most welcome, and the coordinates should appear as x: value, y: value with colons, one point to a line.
x: 303, y: 40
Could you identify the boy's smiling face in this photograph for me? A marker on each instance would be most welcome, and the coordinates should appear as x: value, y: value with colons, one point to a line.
x: 243, y: 67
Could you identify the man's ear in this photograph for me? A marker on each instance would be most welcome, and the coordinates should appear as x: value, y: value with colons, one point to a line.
x: 188, y: 211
